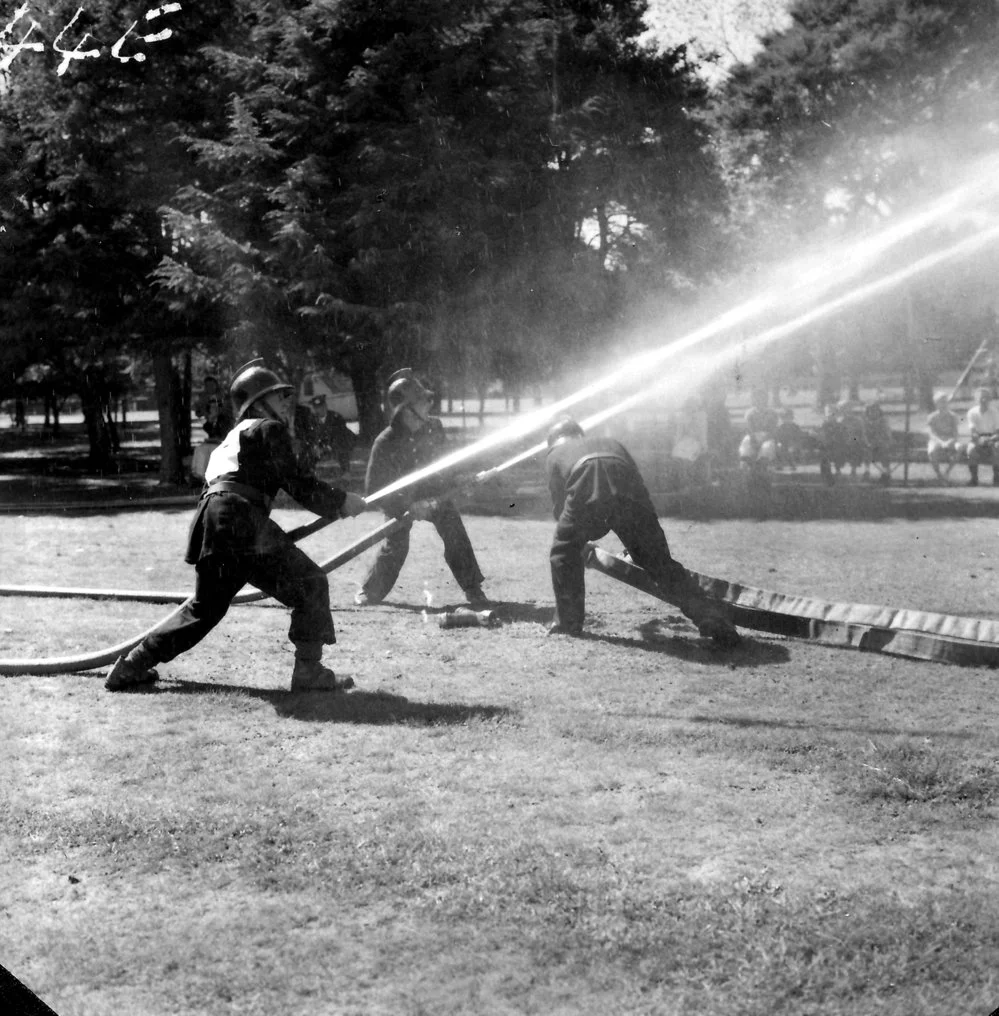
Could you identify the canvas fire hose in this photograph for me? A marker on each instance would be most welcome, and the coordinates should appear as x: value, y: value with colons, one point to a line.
x: 919, y: 635
x: 105, y: 657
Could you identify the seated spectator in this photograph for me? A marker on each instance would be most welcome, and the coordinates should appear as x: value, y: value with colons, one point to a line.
x: 877, y: 438
x: 790, y: 440
x: 832, y: 436
x: 758, y: 448
x: 942, y: 448
x: 983, y: 425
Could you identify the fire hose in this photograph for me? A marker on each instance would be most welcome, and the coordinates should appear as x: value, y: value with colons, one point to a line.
x: 104, y: 657
x: 918, y: 635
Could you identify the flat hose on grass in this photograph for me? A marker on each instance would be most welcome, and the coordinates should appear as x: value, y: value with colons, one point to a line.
x: 104, y: 657
x: 917, y: 635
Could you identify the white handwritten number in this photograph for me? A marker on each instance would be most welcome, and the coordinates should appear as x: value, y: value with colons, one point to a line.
x: 12, y: 51
x: 9, y: 51
x: 154, y: 37
x: 69, y: 55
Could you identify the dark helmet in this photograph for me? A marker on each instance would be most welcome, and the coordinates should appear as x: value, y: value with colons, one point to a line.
x: 251, y: 383
x: 405, y: 388
x: 563, y: 429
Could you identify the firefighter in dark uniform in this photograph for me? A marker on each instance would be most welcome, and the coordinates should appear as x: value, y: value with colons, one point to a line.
x: 233, y: 541
x: 323, y: 433
x: 596, y: 488
x: 412, y: 440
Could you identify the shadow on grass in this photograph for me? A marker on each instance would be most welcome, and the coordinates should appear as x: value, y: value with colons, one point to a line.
x: 504, y: 610
x: 753, y: 722
x: 375, y: 708
x: 749, y: 652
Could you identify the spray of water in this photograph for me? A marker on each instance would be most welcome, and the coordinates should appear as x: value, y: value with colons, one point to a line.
x: 800, y: 284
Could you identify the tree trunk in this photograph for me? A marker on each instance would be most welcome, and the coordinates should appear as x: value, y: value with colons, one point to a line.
x: 100, y: 452
x: 369, y: 407
x: 171, y: 462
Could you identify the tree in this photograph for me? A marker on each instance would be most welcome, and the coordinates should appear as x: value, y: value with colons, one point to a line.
x: 859, y: 105
x: 389, y: 167
x: 89, y: 157
x: 856, y: 112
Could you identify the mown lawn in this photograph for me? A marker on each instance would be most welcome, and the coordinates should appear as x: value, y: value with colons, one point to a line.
x: 495, y: 821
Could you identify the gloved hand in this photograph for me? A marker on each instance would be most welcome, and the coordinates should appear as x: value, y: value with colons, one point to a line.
x: 422, y: 510
x: 353, y: 504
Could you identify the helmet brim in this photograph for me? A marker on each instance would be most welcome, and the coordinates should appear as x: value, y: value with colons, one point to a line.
x: 281, y: 387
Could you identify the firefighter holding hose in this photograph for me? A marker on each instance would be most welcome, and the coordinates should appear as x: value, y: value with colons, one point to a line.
x: 596, y: 488
x: 413, y: 439
x: 232, y: 539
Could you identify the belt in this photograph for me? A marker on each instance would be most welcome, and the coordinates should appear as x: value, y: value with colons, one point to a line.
x: 243, y: 490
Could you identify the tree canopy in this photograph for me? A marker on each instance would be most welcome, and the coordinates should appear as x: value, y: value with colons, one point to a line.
x: 410, y: 182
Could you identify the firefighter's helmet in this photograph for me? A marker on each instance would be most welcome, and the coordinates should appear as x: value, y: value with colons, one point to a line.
x: 406, y: 389
x: 563, y: 429
x: 251, y: 383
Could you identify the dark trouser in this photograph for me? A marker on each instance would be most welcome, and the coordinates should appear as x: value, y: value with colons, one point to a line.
x: 290, y: 576
x: 458, y: 554
x: 982, y: 454
x: 637, y: 527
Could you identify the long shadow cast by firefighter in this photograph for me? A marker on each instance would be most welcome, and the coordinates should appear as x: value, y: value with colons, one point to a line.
x: 373, y: 708
x: 656, y: 638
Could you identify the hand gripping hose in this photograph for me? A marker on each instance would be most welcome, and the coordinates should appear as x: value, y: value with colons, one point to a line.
x: 917, y: 635
x: 104, y: 657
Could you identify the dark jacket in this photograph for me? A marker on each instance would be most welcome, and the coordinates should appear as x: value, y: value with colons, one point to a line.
x: 259, y: 456
x: 592, y: 471
x: 396, y: 452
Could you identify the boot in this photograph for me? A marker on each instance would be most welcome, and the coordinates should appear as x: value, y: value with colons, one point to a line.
x: 711, y: 620
x: 309, y: 674
x: 720, y: 630
x: 132, y: 671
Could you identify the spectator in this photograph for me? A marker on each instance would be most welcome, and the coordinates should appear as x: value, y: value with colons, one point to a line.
x: 877, y: 441
x: 855, y: 440
x: 213, y: 410
x: 983, y: 424
x: 758, y: 448
x: 324, y: 433
x: 832, y: 437
x: 941, y: 444
x: 790, y: 440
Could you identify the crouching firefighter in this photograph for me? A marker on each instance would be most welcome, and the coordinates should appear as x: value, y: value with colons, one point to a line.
x: 232, y: 539
x: 596, y: 488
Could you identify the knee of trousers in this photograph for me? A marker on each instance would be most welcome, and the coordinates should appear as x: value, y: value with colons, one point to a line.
x: 315, y: 589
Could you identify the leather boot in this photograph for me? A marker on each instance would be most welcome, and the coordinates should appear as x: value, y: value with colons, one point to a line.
x: 309, y: 674
x: 132, y: 671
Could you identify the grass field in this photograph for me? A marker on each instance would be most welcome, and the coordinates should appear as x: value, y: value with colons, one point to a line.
x: 496, y: 822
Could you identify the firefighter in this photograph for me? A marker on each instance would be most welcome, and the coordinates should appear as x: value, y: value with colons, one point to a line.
x: 412, y: 440
x: 233, y: 541
x: 596, y: 488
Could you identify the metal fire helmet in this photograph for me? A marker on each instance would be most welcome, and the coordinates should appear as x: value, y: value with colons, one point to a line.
x: 406, y: 390
x: 252, y: 382
x: 564, y: 428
